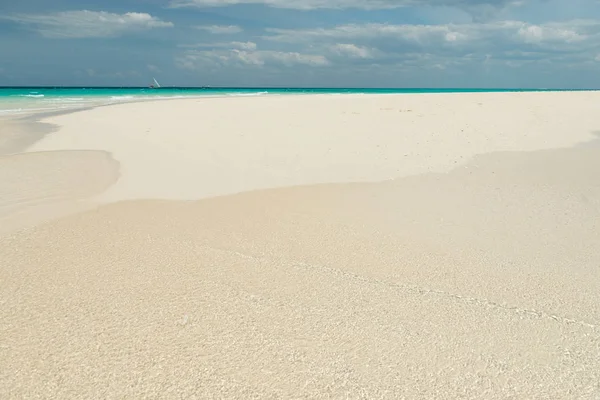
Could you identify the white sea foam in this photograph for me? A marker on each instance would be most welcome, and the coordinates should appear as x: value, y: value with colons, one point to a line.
x: 19, y: 111
x: 34, y: 102
x: 123, y: 98
x: 248, y: 94
x: 67, y: 99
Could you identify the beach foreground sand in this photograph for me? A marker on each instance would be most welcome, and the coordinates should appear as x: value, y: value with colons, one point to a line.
x: 307, y: 247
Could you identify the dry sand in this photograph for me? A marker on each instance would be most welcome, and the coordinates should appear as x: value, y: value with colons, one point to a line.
x: 442, y: 272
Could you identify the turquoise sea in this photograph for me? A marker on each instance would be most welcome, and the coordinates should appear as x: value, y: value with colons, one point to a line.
x: 26, y: 100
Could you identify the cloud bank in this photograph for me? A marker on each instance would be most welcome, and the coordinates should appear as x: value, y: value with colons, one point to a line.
x: 311, y: 42
x: 239, y: 54
x: 346, y: 4
x: 220, y: 29
x: 89, y: 24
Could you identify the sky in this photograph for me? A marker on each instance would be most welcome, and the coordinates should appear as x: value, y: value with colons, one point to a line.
x: 302, y: 43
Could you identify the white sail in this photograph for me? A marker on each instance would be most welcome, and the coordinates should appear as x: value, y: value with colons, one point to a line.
x: 156, y: 84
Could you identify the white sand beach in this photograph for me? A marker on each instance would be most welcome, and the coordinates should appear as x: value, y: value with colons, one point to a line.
x: 423, y: 246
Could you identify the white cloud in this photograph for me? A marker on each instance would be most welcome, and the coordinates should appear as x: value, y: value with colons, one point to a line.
x: 538, y: 34
x: 449, y: 47
x: 153, y: 68
x: 246, y: 54
x: 415, y: 33
x: 344, y: 4
x: 452, y: 36
x: 352, y: 50
x: 227, y: 45
x: 220, y: 29
x: 89, y: 24
x: 244, y: 45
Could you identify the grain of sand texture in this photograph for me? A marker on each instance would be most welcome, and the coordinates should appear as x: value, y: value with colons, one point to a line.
x: 415, y: 246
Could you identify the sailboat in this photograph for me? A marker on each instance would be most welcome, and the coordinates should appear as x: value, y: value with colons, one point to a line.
x: 155, y: 85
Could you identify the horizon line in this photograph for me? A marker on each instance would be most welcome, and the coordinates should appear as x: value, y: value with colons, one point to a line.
x: 287, y: 87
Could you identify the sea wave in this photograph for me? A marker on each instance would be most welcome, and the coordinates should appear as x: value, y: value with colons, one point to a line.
x: 120, y: 98
x: 16, y: 111
x: 65, y: 99
x: 167, y: 97
x: 248, y: 94
x: 31, y: 95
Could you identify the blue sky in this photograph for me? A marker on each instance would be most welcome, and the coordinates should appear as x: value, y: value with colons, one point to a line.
x: 320, y: 43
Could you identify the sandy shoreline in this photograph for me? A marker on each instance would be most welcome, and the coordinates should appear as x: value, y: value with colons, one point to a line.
x: 234, y: 145
x: 309, y: 248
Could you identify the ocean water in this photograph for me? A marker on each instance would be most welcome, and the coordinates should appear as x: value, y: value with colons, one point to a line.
x: 29, y: 100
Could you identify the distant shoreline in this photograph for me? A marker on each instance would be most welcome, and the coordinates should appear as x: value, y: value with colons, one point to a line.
x: 23, y: 101
x: 316, y: 89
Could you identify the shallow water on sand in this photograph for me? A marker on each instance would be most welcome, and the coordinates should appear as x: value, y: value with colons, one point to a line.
x: 28, y: 100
